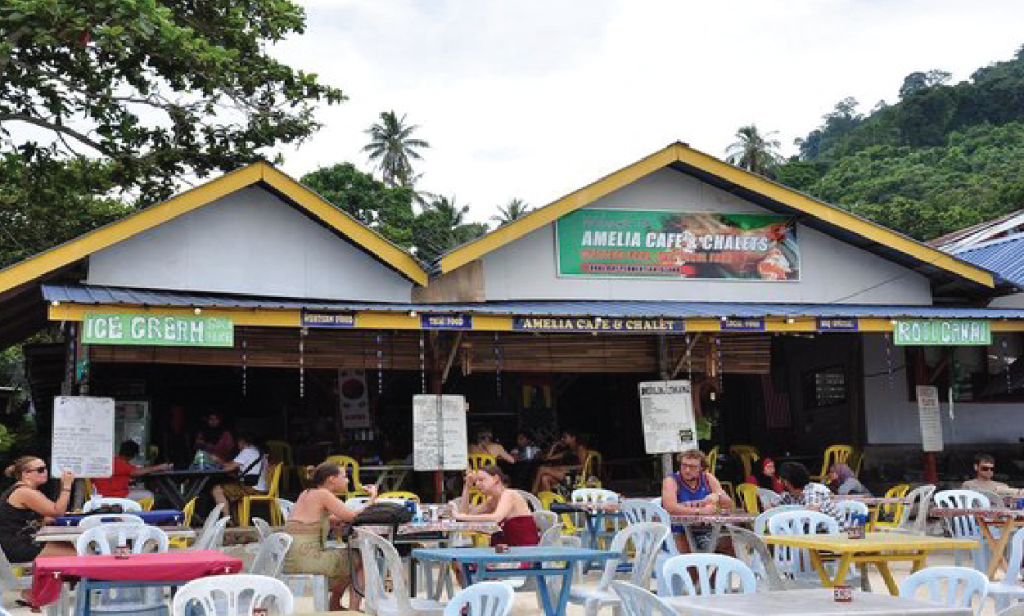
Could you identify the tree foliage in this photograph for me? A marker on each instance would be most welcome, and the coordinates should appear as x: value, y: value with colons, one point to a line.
x: 754, y: 151
x: 510, y: 212
x: 393, y: 148
x: 441, y: 226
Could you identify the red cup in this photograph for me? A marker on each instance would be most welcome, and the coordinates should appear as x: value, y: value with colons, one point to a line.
x: 842, y: 593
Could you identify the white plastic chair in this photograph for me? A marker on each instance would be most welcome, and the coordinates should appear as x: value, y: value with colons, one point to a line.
x: 302, y: 584
x: 269, y: 559
x: 768, y: 498
x: 753, y: 551
x: 232, y: 595
x: 637, y: 510
x: 949, y: 586
x: 208, y: 527
x: 286, y: 507
x: 1015, y: 610
x: 965, y: 526
x: 212, y: 539
x: 636, y: 601
x: 1010, y: 588
x: 531, y: 500
x: 795, y: 562
x: 104, y: 538
x: 482, y: 599
x: 544, y: 519
x: 643, y: 540
x: 127, y: 504
x: 729, y: 575
x: 761, y: 521
x: 9, y: 581
x: 612, y: 523
x: 380, y: 561
x: 918, y: 501
x: 849, y: 508
x: 262, y: 528
x: 113, y: 518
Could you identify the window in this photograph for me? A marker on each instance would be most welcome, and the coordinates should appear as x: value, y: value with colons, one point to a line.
x: 825, y: 387
x: 976, y: 374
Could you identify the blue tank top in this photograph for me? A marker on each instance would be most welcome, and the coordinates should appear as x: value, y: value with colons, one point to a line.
x: 685, y: 495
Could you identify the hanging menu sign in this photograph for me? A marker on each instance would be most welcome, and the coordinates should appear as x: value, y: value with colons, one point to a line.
x: 942, y: 332
x: 83, y: 436
x: 743, y: 325
x: 931, y: 419
x: 597, y: 324
x: 311, y: 318
x: 666, y: 409
x: 157, y: 330
x: 837, y: 324
x: 446, y: 321
x: 439, y: 433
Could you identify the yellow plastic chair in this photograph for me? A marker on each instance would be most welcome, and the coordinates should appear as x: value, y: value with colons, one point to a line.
x: 747, y: 493
x: 270, y: 498
x: 282, y: 452
x: 355, y: 486
x: 188, y: 510
x: 590, y: 472
x: 712, y: 459
x: 147, y: 503
x: 889, y: 515
x: 859, y: 456
x: 400, y: 495
x: 546, y: 498
x: 836, y: 454
x: 478, y: 461
x: 748, y: 456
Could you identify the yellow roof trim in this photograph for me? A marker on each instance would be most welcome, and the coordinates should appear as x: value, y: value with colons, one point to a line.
x: 153, y: 216
x: 678, y: 152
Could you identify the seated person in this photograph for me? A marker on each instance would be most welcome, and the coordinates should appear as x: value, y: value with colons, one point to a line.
x: 118, y: 484
x: 485, y: 444
x: 252, y: 466
x: 690, y: 491
x: 502, y: 505
x: 984, y: 470
x: 765, y: 477
x: 842, y: 481
x: 557, y: 462
x: 215, y: 439
x: 800, y: 490
x: 315, y: 508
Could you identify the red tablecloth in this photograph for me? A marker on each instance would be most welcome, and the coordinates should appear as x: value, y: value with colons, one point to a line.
x: 50, y: 573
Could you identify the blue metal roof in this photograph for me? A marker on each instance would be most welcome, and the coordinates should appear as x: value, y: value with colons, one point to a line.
x: 1003, y: 256
x: 90, y: 294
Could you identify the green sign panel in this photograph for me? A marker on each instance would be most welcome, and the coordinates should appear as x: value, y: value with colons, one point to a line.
x: 942, y: 332
x: 677, y: 245
x: 155, y: 330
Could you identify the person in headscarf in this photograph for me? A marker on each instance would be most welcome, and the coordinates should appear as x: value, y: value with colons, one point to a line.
x: 842, y: 481
x: 765, y: 477
x: 214, y: 438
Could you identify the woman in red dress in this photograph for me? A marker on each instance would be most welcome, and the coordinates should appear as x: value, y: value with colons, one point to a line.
x: 502, y: 505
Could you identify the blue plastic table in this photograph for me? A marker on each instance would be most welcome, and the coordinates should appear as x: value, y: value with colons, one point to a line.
x: 157, y: 517
x: 545, y: 561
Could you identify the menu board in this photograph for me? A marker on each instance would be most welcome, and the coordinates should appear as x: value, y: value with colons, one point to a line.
x: 439, y: 433
x: 83, y: 436
x: 666, y: 408
x: 931, y: 420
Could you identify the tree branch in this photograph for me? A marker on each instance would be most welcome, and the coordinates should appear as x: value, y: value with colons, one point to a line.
x: 58, y: 128
x: 13, y: 40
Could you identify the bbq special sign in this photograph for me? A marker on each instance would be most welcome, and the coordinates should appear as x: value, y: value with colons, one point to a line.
x: 674, y: 245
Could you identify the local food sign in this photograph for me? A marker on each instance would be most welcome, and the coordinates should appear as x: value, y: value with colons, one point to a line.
x: 158, y: 330
x: 674, y: 245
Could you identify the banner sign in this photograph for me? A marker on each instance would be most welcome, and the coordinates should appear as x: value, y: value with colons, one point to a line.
x: 836, y: 324
x: 446, y: 321
x: 743, y: 325
x: 674, y: 245
x: 328, y: 319
x: 942, y: 332
x: 141, y: 329
x: 596, y: 324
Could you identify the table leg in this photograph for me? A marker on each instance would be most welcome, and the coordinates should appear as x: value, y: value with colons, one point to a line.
x: 819, y: 566
x: 842, y: 568
x: 997, y: 544
x: 873, y: 521
x: 918, y: 563
x: 166, y: 488
x: 82, y: 603
x: 558, y: 606
x: 194, y: 488
x: 890, y: 583
x: 716, y: 533
x: 467, y: 573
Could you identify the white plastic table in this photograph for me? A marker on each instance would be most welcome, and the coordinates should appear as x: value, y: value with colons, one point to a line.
x: 810, y: 602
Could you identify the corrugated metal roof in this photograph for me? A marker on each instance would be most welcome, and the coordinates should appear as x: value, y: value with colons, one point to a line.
x: 1003, y: 256
x: 89, y: 294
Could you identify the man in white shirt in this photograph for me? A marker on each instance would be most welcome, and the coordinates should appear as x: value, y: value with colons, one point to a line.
x: 984, y: 471
x: 251, y: 465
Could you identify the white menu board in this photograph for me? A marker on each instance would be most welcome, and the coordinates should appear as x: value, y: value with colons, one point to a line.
x: 931, y: 420
x: 666, y: 408
x: 439, y: 433
x: 83, y: 436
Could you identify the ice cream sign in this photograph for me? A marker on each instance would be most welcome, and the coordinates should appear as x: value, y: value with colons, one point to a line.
x: 157, y: 330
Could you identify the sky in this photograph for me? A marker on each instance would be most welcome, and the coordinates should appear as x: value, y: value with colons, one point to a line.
x: 533, y: 99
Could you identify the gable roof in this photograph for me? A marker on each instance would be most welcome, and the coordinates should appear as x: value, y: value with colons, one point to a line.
x: 937, y: 265
x: 1003, y: 255
x: 262, y: 174
x: 974, y: 235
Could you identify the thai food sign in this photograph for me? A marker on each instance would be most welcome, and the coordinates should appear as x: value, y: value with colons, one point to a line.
x: 677, y: 245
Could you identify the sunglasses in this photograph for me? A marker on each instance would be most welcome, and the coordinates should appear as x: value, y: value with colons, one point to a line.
x: 38, y: 469
x: 987, y: 468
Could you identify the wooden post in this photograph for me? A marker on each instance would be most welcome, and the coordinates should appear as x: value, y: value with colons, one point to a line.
x: 435, y: 386
x: 665, y: 370
x: 930, y: 460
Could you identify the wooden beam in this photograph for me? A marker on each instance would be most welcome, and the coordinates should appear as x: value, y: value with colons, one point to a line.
x: 451, y: 356
x: 682, y: 358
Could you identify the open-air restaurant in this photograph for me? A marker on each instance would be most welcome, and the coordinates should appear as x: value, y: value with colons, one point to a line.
x: 680, y: 389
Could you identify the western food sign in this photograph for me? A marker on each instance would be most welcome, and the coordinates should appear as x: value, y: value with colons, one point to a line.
x: 674, y: 245
x: 157, y: 330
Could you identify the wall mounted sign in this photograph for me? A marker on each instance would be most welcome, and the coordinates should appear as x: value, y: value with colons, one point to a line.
x: 597, y: 324
x: 328, y: 319
x: 666, y: 409
x: 931, y: 420
x: 743, y: 325
x: 156, y: 330
x: 446, y: 321
x: 942, y: 332
x: 837, y: 324
x: 677, y: 245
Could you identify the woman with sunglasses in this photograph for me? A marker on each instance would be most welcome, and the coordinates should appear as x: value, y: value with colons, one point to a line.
x: 23, y: 508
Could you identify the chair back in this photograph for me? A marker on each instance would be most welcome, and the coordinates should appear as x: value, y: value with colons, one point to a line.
x: 1014, y: 561
x: 189, y: 510
x: 213, y: 538
x: 120, y: 518
x: 593, y: 464
x: 708, y: 574
x: 795, y: 561
x: 273, y: 479
x: 262, y: 528
x: 835, y: 454
x: 546, y: 498
x: 478, y: 461
x: 712, y: 460
x: 994, y: 500
x: 748, y: 455
x: 210, y: 521
x: 269, y: 559
x: 753, y: 551
x: 637, y: 510
x: 849, y: 508
x: 643, y: 541
x: 594, y: 495
x: 531, y: 500
x: 768, y: 498
x: 146, y: 503
x: 280, y: 451
x: 636, y: 601
x: 381, y: 561
x: 747, y: 493
x: 232, y: 595
x: 918, y: 501
x: 761, y: 521
x: 889, y: 516
x: 127, y: 505
x: 285, y: 507
x: 962, y: 526
x: 355, y: 486
x: 954, y: 587
x: 552, y: 536
x: 545, y: 520
x: 102, y: 539
x: 482, y: 599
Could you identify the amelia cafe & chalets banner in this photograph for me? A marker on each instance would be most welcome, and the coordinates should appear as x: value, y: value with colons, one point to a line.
x: 680, y: 245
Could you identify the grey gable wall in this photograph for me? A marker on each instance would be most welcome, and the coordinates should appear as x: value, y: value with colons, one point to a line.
x: 831, y: 269
x: 249, y: 242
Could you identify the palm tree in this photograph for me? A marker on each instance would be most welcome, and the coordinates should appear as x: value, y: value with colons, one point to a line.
x: 392, y: 148
x: 514, y: 210
x: 442, y: 226
x: 754, y: 152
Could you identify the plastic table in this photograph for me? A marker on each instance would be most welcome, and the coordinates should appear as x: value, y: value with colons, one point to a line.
x: 70, y: 534
x: 875, y: 548
x: 810, y: 602
x: 545, y: 561
x: 157, y: 517
x: 715, y: 520
x: 179, y: 487
x: 1006, y: 520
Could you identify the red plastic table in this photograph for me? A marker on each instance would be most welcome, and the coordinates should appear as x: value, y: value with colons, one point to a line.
x: 166, y: 568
